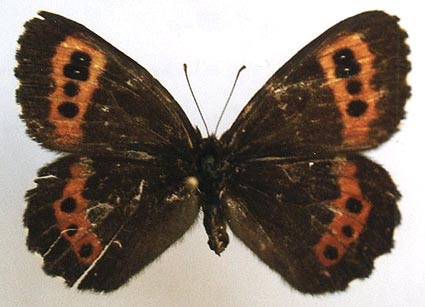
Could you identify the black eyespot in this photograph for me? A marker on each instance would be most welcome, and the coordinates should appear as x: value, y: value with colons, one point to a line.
x: 343, y: 56
x: 71, y: 230
x: 86, y: 250
x: 330, y: 252
x: 348, y: 231
x: 76, y: 72
x: 77, y: 69
x: 346, y: 64
x: 71, y: 89
x: 354, y: 205
x: 68, y: 109
x: 354, y: 87
x: 356, y: 108
x: 68, y: 205
x: 80, y: 58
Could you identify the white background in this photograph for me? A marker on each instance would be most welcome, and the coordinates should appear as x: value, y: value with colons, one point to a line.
x: 214, y: 38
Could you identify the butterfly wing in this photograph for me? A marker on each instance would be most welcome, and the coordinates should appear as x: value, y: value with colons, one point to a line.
x: 344, y: 91
x: 98, y: 222
x: 319, y: 223
x: 122, y: 197
x: 79, y: 94
x: 314, y: 213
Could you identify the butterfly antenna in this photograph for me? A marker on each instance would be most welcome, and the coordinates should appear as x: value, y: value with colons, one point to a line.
x: 194, y: 98
x: 228, y: 99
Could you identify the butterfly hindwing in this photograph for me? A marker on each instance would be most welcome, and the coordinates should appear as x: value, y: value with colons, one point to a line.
x: 319, y: 223
x: 344, y: 91
x: 99, y: 222
x: 80, y: 94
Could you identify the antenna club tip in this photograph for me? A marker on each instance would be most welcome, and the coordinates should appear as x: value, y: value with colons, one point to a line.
x: 242, y: 68
x: 185, y: 66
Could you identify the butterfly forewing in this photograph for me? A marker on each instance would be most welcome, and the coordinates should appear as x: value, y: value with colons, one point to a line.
x: 344, y: 91
x: 80, y: 94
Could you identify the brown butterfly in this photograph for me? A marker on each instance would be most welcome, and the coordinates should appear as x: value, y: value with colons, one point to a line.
x: 287, y: 177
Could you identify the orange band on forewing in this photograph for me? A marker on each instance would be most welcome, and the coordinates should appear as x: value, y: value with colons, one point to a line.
x: 68, y: 130
x: 71, y: 216
x: 351, y: 213
x: 356, y: 128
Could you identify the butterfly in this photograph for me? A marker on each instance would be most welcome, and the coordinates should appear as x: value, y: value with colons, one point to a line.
x: 287, y: 178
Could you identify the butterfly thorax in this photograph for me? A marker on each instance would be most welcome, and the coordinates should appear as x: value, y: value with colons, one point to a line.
x: 211, y: 166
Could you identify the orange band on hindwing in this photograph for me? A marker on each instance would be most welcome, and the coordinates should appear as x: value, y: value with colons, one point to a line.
x: 76, y: 70
x: 71, y: 215
x: 351, y: 213
x: 348, y: 67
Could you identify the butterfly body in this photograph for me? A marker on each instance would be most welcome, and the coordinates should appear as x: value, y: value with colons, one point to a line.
x: 212, y: 169
x: 287, y: 178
